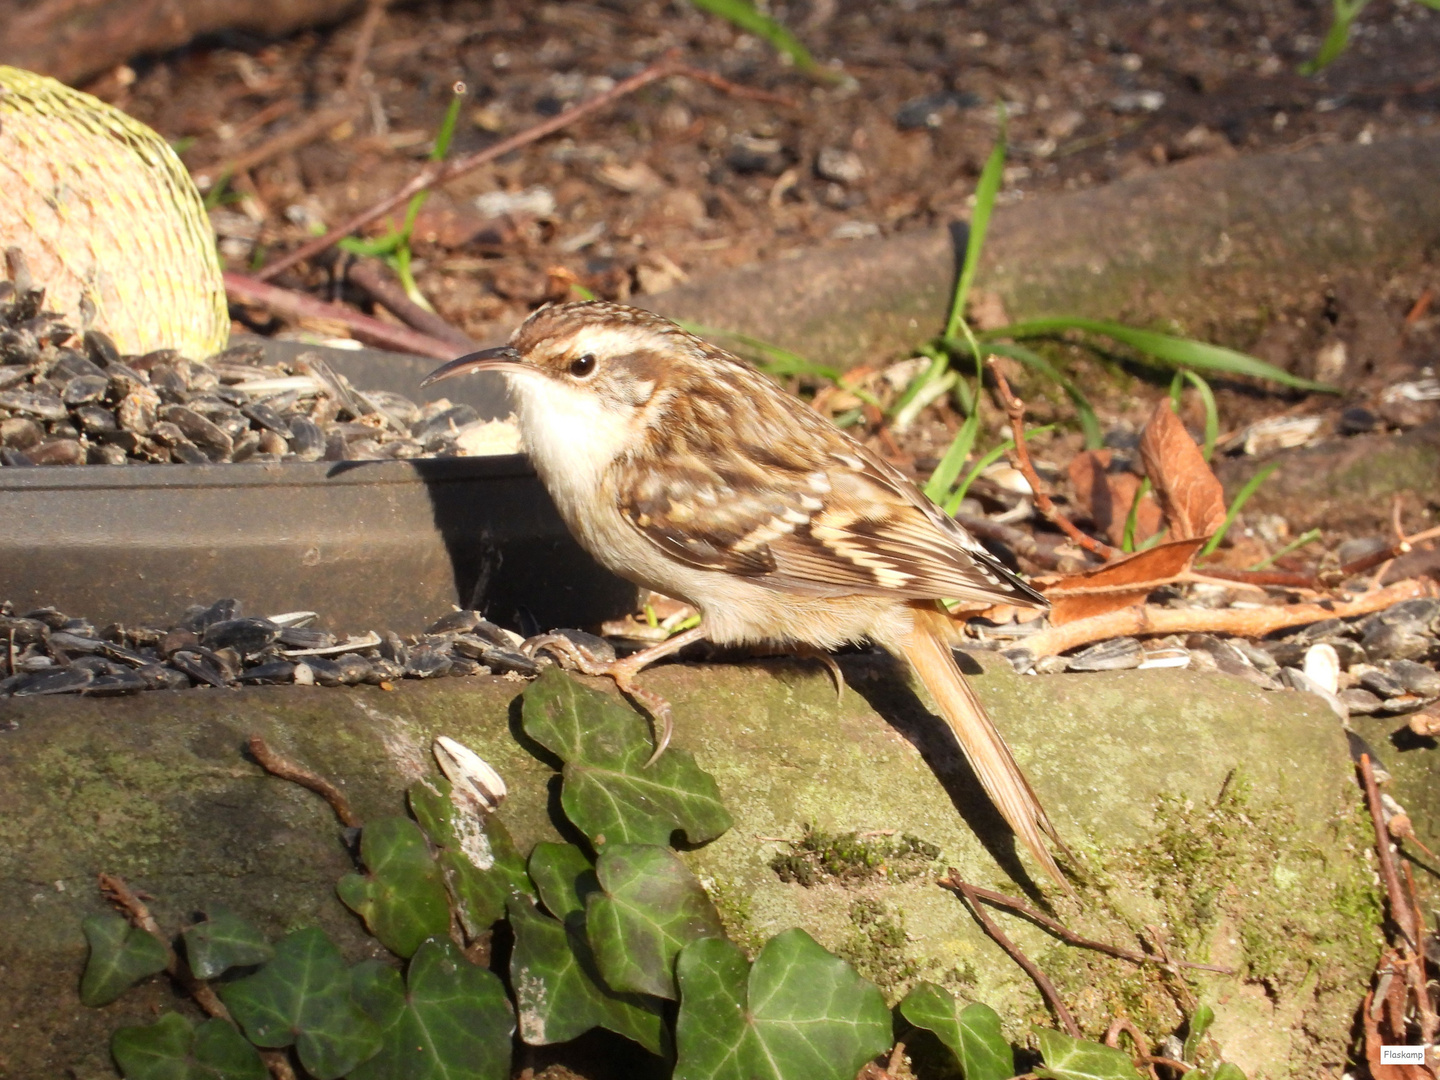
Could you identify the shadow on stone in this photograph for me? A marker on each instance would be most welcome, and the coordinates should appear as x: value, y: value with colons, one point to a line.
x: 883, y: 684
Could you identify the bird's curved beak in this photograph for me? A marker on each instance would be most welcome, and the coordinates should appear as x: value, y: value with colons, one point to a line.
x: 486, y: 360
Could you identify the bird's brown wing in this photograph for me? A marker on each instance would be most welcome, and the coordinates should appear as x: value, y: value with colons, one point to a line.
x: 842, y: 523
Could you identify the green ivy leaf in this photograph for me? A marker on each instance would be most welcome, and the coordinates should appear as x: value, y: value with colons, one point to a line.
x: 797, y: 1013
x: 222, y: 941
x: 481, y: 864
x: 558, y: 991
x: 609, y: 793
x: 379, y: 990
x: 302, y: 997
x: 649, y: 908
x: 120, y: 956
x: 1199, y: 1024
x: 170, y: 1049
x: 450, y: 1020
x: 563, y: 877
x: 973, y: 1033
x: 1076, y: 1059
x: 402, y: 898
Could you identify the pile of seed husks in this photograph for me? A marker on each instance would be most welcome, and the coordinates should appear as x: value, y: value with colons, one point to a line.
x: 48, y: 652
x: 1385, y: 663
x: 72, y: 399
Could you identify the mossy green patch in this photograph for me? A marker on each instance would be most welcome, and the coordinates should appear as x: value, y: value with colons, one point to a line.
x: 878, y: 947
x: 852, y: 858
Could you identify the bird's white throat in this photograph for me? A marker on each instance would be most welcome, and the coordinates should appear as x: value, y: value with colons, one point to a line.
x: 570, y: 434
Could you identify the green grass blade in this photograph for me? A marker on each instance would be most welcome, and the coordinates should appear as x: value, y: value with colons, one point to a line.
x: 743, y: 15
x: 217, y: 195
x: 1089, y: 422
x: 985, y: 192
x: 1127, y: 540
x: 378, y: 248
x: 1241, y: 497
x: 1207, y: 397
x: 437, y: 153
x: 447, y: 126
x: 939, y: 364
x: 952, y: 504
x: 1345, y: 13
x: 1300, y: 541
x: 931, y: 388
x: 1166, y: 347
x: 966, y: 395
x: 954, y: 460
x: 400, y: 263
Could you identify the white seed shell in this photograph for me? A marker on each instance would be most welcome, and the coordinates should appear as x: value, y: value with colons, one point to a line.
x: 1322, y: 663
x: 469, y: 774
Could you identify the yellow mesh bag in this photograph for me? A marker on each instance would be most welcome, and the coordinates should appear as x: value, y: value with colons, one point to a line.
x: 103, y: 208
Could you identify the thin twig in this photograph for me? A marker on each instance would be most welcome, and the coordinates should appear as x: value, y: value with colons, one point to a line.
x: 242, y: 289
x: 1420, y: 307
x: 114, y: 889
x: 1112, y: 1039
x: 1415, y: 970
x: 1403, y: 545
x: 277, y: 765
x: 369, y: 275
x: 1399, y: 906
x: 437, y: 173
x: 293, y: 138
x: 1122, y: 1025
x: 897, y: 1058
x: 1168, y: 1062
x: 1015, y: 412
x: 1041, y: 980
x: 1261, y: 578
x: 1061, y: 930
x: 1145, y: 620
x: 374, y: 11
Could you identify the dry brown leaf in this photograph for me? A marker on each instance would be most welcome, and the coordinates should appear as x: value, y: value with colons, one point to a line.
x: 1189, y: 494
x: 1392, y: 1017
x: 1086, y: 470
x: 1123, y: 487
x: 1239, y: 553
x: 1117, y: 585
x: 1106, y: 497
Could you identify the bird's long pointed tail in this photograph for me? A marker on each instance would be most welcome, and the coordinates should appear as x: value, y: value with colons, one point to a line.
x: 928, y: 653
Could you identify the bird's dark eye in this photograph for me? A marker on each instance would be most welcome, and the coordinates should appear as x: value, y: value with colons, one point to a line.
x: 583, y: 366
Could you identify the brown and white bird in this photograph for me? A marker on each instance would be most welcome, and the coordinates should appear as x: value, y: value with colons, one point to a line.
x: 684, y: 470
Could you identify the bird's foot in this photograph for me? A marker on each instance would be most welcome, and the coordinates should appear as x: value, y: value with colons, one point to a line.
x: 573, y: 650
x: 809, y: 652
x: 590, y: 655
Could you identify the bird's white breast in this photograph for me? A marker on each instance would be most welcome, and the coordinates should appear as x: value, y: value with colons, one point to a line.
x: 570, y: 436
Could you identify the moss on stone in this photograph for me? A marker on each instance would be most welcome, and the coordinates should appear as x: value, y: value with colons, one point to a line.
x: 878, y: 947
x: 1267, y: 876
x: 852, y: 858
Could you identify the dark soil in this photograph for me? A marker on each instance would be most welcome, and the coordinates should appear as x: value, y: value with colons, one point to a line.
x: 681, y: 180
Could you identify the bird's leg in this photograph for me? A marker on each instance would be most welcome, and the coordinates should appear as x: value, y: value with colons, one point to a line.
x: 623, y: 672
x: 810, y: 652
x: 587, y: 657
